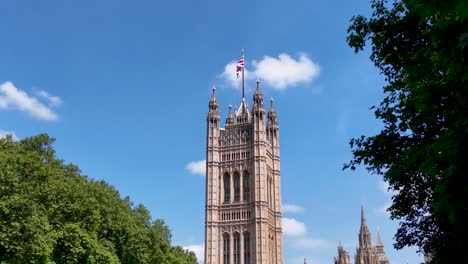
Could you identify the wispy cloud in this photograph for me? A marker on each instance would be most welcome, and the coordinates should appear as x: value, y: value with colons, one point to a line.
x: 279, y: 73
x: 295, y: 233
x: 12, y: 97
x: 4, y: 133
x: 383, y: 186
x: 311, y: 243
x: 292, y: 208
x: 197, y: 167
x: 292, y: 227
x: 199, y: 251
x: 384, y: 209
x: 52, y: 99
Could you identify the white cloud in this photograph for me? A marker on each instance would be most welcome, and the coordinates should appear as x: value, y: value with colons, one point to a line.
x: 199, y: 251
x: 383, y: 187
x: 285, y: 71
x: 4, y: 133
x: 52, y: 99
x: 279, y: 73
x: 12, y: 97
x: 383, y: 209
x: 292, y: 227
x: 197, y: 167
x: 292, y: 208
x: 311, y: 243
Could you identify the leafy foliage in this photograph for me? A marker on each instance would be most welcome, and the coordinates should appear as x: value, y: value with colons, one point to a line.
x: 50, y: 213
x: 421, y: 49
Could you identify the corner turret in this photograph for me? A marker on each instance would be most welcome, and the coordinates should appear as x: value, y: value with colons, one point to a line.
x: 272, y: 125
x: 213, y: 111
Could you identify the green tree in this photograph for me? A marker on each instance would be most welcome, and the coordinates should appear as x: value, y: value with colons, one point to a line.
x: 50, y: 213
x: 421, y: 49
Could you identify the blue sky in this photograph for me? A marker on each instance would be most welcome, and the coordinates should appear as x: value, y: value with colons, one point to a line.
x: 124, y: 87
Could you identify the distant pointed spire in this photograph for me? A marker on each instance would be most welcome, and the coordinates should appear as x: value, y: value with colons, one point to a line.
x: 305, y: 261
x: 363, y: 219
x: 379, y: 240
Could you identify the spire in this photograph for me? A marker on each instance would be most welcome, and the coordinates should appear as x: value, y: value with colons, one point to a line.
x: 364, y: 234
x: 379, y: 241
x: 272, y: 124
x: 363, y: 219
x: 257, y: 108
x: 272, y: 111
x: 213, y: 111
x: 258, y: 93
x: 242, y: 114
x: 230, y: 117
x: 305, y: 261
x: 213, y: 101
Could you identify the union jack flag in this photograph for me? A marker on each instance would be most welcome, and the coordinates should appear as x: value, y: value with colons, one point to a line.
x: 240, y: 66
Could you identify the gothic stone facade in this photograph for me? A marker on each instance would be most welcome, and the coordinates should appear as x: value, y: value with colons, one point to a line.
x: 365, y: 253
x: 243, y: 198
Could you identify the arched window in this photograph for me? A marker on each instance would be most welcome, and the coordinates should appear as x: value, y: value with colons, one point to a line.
x: 236, y: 248
x: 246, y: 248
x: 227, y: 187
x: 226, y: 247
x: 246, y: 185
x: 236, y: 186
x: 268, y: 191
x: 270, y: 186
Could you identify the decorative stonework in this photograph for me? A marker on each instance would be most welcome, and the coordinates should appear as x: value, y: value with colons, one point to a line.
x: 243, y: 203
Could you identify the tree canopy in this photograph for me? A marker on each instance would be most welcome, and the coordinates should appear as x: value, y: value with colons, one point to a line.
x: 50, y: 213
x: 421, y: 48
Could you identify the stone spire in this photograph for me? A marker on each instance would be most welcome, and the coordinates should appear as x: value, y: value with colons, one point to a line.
x: 230, y: 118
x: 379, y: 250
x: 258, y: 111
x: 213, y: 101
x: 379, y: 241
x: 364, y: 234
x: 365, y: 253
x: 272, y: 124
x: 213, y: 111
x: 258, y: 96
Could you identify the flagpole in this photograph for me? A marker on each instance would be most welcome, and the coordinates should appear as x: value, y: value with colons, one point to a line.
x: 243, y: 73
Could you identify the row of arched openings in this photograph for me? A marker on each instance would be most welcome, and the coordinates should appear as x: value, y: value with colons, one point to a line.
x: 237, y: 252
x: 239, y: 186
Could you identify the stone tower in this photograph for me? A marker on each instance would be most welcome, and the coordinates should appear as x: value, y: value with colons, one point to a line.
x: 365, y: 253
x: 343, y: 256
x: 379, y: 250
x: 243, y: 198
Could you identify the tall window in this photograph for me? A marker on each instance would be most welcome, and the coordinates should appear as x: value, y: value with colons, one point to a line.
x: 246, y: 248
x: 270, y: 187
x: 226, y: 256
x: 227, y: 188
x: 236, y: 186
x: 236, y: 248
x: 246, y: 185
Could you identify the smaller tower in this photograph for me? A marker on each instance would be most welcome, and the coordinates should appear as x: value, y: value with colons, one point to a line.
x: 379, y: 250
x: 212, y: 185
x: 343, y: 256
